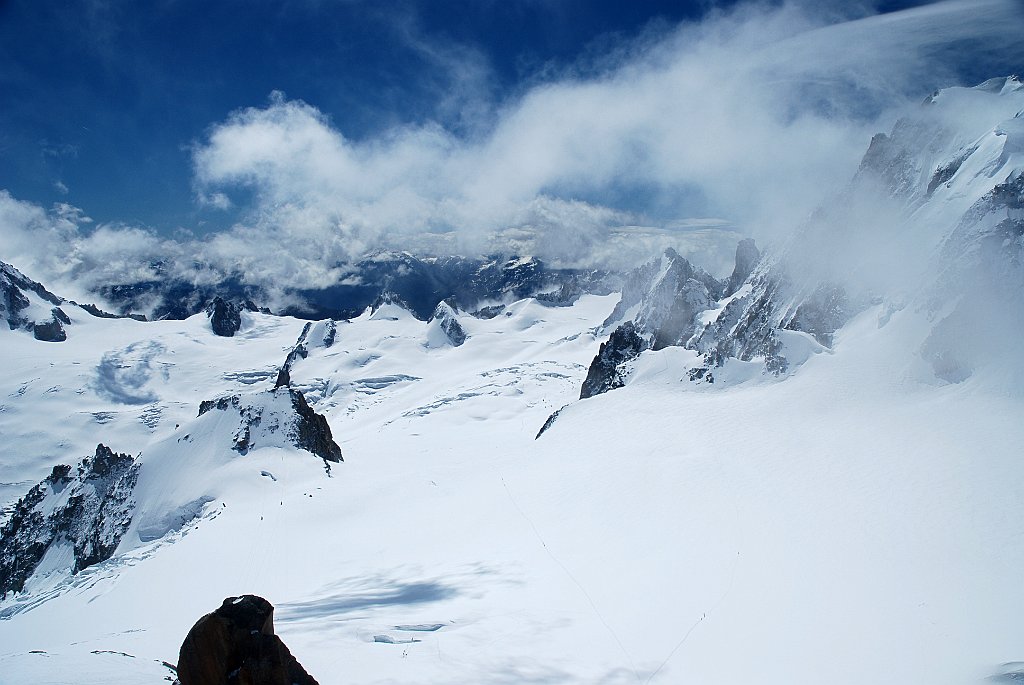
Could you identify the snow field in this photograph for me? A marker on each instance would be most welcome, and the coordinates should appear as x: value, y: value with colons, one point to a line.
x: 855, y: 522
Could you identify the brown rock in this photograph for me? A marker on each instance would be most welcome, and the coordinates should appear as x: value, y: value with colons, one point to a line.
x: 236, y: 645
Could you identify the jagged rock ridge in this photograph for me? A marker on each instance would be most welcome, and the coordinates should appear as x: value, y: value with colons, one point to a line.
x: 445, y: 322
x: 26, y: 304
x: 75, y: 517
x: 278, y: 417
x: 959, y: 185
x: 44, y: 318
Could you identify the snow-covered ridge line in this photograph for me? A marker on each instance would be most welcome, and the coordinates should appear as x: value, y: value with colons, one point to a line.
x: 28, y: 305
x: 953, y: 235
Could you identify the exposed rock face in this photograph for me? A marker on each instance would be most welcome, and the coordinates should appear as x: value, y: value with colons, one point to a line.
x: 933, y: 164
x: 549, y: 423
x: 649, y: 295
x: 319, y: 334
x: 81, y: 514
x: 236, y: 645
x: 312, y: 432
x: 745, y: 328
x: 446, y: 321
x: 299, y: 351
x: 660, y: 304
x: 280, y: 417
x: 26, y: 304
x: 666, y: 301
x: 747, y: 257
x: 605, y: 373
x: 226, y: 317
x: 52, y: 330
x: 822, y: 313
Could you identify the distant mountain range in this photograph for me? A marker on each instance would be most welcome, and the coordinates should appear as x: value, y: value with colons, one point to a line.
x: 213, y: 412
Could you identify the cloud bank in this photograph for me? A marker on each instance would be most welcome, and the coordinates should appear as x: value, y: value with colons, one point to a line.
x: 753, y: 116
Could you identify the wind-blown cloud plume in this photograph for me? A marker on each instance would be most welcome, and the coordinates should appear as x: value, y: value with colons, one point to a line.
x: 754, y: 117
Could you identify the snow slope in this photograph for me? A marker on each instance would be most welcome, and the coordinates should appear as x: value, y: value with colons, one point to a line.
x: 856, y: 519
x: 858, y: 522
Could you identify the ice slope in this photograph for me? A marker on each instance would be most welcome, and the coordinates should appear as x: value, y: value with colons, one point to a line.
x: 859, y: 522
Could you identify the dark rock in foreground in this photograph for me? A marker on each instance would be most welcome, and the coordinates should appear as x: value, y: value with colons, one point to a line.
x: 236, y: 644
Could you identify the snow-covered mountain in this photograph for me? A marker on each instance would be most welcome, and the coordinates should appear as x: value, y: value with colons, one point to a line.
x: 807, y: 472
x: 951, y: 181
x: 25, y: 304
x: 420, y: 282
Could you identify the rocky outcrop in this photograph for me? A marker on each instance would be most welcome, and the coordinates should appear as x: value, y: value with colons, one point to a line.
x: 660, y: 307
x: 549, y: 422
x: 320, y: 334
x: 668, y: 302
x: 445, y: 322
x: 27, y: 305
x: 650, y: 293
x: 385, y: 304
x: 312, y: 432
x: 75, y: 517
x: 236, y: 645
x: 276, y: 418
x: 299, y: 351
x: 52, y: 330
x: 747, y: 257
x: 605, y: 371
x: 226, y: 317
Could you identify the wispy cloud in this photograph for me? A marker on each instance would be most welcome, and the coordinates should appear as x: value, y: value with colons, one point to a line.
x: 753, y: 116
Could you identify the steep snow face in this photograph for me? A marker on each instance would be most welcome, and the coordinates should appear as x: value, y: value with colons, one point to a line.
x: 933, y: 219
x: 445, y: 328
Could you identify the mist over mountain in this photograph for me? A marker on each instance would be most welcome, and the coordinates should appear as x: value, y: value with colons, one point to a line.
x: 695, y: 359
x: 727, y: 123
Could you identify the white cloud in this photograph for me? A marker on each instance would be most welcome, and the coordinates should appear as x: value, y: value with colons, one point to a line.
x: 760, y: 113
x: 752, y: 116
x: 52, y: 247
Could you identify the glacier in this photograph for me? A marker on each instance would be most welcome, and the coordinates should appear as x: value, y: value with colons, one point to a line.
x: 807, y: 472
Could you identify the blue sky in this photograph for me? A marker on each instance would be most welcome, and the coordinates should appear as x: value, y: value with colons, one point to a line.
x: 279, y: 140
x: 103, y: 98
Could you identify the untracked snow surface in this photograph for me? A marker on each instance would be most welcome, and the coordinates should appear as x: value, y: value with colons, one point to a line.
x: 858, y: 521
